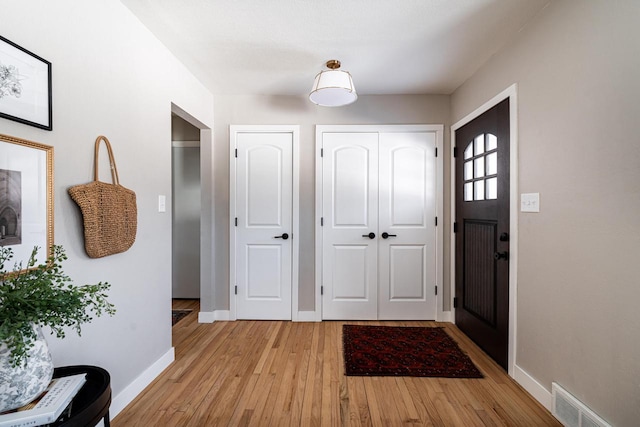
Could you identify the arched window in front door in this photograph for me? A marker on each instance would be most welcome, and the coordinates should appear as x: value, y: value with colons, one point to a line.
x: 481, y: 168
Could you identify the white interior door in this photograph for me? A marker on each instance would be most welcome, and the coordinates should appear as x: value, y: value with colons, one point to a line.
x: 263, y: 235
x: 379, y: 182
x: 350, y: 213
x: 407, y: 247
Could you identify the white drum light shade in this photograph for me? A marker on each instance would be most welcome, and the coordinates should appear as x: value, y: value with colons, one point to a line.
x: 333, y: 88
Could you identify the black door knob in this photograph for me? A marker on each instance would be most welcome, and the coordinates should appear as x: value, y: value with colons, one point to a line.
x: 504, y: 237
x: 284, y: 236
x: 386, y: 235
x: 370, y: 235
x: 501, y: 255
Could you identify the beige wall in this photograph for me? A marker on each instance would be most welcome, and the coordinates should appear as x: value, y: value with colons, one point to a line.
x: 111, y: 77
x: 577, y: 67
x: 291, y: 110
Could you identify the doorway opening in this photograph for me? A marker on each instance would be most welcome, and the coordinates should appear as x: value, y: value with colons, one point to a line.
x: 185, y: 218
x: 185, y: 186
x: 194, y: 141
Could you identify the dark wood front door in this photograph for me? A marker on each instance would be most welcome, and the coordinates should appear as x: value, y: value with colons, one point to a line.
x: 482, y: 231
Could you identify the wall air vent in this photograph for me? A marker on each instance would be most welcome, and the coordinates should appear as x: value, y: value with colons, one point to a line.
x: 571, y: 412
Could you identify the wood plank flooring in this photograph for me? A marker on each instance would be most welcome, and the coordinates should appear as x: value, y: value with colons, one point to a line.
x: 269, y: 373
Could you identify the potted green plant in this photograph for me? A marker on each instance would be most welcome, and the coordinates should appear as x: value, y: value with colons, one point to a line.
x: 31, y: 297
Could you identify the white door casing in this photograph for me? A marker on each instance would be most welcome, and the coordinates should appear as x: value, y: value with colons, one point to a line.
x: 377, y: 179
x: 262, y: 267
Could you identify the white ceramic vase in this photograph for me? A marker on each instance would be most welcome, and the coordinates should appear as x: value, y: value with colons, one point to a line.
x: 20, y: 385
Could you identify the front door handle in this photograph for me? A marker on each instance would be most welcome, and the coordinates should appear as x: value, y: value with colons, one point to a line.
x: 284, y: 236
x: 386, y: 235
x: 501, y: 255
x: 370, y: 235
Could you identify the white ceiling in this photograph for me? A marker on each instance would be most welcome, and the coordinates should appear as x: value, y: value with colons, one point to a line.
x: 389, y: 46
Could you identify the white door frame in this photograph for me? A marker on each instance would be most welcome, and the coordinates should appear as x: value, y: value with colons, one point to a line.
x: 295, y: 215
x: 439, y: 130
x: 512, y: 93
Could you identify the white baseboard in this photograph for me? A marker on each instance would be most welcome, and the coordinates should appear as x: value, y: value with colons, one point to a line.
x: 212, y: 316
x: 532, y: 386
x: 308, y: 316
x: 127, y: 395
x: 445, y: 316
x: 206, y: 317
x: 222, y: 315
x: 225, y: 315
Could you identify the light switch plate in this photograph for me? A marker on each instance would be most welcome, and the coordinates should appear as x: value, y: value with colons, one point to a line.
x: 530, y: 202
x: 162, y: 203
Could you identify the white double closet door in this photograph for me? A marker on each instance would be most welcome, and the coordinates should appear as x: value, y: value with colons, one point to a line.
x: 379, y: 224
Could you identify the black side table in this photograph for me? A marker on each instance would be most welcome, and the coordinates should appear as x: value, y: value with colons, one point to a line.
x: 91, y: 404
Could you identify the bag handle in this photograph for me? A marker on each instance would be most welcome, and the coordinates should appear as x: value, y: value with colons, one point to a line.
x: 112, y: 160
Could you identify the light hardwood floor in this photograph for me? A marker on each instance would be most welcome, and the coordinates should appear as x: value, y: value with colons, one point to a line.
x: 268, y: 373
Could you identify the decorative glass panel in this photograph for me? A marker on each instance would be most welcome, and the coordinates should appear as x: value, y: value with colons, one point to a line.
x: 478, y: 190
x: 479, y: 145
x: 492, y: 188
x: 468, y: 170
x: 468, y: 152
x: 468, y: 191
x: 481, y: 162
x: 478, y: 171
x: 492, y: 164
x: 492, y: 142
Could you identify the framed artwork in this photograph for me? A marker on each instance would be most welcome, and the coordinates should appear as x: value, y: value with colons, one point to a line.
x: 25, y: 86
x: 26, y: 197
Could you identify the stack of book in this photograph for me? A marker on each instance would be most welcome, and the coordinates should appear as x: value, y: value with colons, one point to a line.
x: 48, y: 407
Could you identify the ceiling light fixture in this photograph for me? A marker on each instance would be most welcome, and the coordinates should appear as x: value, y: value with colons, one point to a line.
x: 333, y: 87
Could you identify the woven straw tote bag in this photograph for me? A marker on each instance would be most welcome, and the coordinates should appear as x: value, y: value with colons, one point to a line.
x: 109, y: 211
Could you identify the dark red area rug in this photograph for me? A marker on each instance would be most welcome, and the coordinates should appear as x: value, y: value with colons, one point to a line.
x: 404, y: 352
x: 177, y: 315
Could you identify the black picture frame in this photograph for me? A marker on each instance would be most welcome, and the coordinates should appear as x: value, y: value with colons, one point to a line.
x: 25, y: 86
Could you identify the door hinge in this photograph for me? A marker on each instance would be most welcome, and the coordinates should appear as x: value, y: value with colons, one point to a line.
x: 455, y: 302
x: 436, y: 290
x: 236, y: 152
x: 236, y: 221
x: 236, y: 290
x: 322, y: 152
x: 321, y: 290
x: 455, y: 227
x: 436, y: 151
x: 436, y: 221
x: 455, y: 151
x: 321, y: 221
